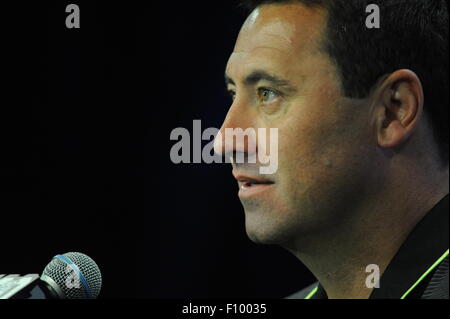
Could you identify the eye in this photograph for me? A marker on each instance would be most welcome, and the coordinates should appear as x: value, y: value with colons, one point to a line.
x: 267, y: 96
x: 232, y: 94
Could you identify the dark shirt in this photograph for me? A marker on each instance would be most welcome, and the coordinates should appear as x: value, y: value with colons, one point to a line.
x: 419, y: 270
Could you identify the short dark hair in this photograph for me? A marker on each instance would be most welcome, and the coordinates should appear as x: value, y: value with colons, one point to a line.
x: 413, y: 35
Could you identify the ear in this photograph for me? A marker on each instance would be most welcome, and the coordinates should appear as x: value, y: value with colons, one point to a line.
x: 399, y: 108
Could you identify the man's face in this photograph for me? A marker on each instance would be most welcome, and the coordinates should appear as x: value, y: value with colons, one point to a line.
x: 281, y: 78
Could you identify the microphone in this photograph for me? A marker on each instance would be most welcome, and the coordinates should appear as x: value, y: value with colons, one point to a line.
x: 69, y: 276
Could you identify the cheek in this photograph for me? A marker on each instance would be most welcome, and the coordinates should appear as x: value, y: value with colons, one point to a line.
x: 303, y: 145
x: 320, y: 131
x: 314, y: 150
x: 320, y: 168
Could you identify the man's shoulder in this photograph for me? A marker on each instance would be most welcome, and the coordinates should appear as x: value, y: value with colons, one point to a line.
x: 302, y: 294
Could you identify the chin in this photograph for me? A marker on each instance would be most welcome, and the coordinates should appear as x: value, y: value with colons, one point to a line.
x: 262, y: 239
x: 261, y: 231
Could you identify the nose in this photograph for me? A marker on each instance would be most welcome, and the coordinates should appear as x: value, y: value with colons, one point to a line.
x: 237, y: 134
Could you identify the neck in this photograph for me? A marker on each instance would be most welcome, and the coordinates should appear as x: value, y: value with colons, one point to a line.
x: 339, y: 255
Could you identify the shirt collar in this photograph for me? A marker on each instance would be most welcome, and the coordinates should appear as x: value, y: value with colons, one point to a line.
x: 428, y: 241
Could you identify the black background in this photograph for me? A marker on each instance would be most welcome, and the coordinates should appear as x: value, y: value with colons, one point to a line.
x: 85, y: 121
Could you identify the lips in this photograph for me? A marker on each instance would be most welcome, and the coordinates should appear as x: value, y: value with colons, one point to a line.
x: 251, y: 186
x: 249, y: 182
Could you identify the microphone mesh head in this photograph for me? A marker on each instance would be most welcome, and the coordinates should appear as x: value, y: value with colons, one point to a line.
x: 60, y: 272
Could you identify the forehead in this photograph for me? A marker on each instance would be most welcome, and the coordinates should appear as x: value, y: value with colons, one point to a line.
x: 277, y: 35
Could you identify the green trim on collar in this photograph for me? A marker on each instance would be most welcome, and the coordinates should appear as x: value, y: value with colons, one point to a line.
x: 425, y: 274
x: 436, y: 263
x: 312, y: 293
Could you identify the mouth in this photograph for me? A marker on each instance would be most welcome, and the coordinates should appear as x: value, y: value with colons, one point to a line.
x: 246, y: 184
x: 252, y: 186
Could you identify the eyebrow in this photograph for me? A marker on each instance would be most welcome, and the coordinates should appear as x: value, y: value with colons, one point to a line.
x: 260, y: 75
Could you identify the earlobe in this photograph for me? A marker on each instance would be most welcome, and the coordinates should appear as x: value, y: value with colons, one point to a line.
x: 393, y: 135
